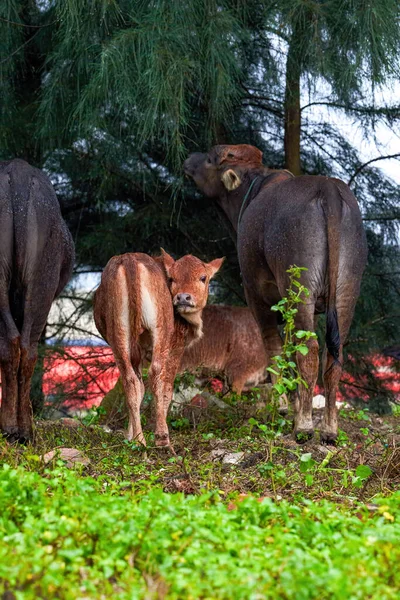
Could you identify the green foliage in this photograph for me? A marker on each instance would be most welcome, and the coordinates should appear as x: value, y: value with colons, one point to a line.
x: 74, y: 536
x: 284, y: 368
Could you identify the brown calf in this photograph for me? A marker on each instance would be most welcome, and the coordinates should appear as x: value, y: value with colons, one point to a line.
x: 134, y: 312
x: 231, y: 345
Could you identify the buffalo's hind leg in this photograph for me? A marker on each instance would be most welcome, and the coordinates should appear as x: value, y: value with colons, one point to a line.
x: 25, y: 416
x: 308, y: 369
x: 332, y: 369
x: 10, y: 358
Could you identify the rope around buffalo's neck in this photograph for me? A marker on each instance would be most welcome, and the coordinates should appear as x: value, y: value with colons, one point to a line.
x: 242, y: 208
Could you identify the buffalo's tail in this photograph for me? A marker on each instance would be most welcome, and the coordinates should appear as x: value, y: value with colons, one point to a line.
x: 332, y: 205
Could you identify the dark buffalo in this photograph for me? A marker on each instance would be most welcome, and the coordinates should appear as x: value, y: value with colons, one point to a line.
x: 36, y: 259
x: 281, y: 220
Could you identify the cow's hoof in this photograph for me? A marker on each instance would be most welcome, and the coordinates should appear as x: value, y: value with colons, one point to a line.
x: 162, y: 440
x: 11, y: 434
x: 328, y: 437
x: 15, y: 436
x: 25, y: 438
x: 302, y: 436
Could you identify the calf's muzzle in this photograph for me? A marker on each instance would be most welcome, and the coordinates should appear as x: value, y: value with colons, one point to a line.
x: 183, y: 302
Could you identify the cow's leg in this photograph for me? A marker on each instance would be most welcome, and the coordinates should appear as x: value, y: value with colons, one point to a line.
x: 308, y: 369
x: 238, y: 383
x: 161, y: 378
x: 268, y: 324
x: 132, y: 382
x: 332, y: 370
x: 25, y: 372
x: 236, y: 375
x: 10, y: 358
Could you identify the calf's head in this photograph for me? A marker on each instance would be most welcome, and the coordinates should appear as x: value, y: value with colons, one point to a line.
x: 188, y: 280
x: 221, y: 169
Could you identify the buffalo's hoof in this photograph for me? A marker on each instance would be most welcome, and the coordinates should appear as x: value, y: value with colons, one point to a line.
x: 25, y: 438
x: 302, y: 437
x: 11, y: 434
x: 328, y: 437
x: 16, y: 436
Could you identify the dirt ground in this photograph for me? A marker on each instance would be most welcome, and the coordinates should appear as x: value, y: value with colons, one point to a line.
x: 234, y: 452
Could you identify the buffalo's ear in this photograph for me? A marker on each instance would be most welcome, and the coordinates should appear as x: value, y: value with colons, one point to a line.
x: 214, y: 266
x: 166, y: 260
x: 230, y: 179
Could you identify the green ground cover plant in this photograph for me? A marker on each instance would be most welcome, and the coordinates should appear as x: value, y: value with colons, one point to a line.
x: 70, y: 537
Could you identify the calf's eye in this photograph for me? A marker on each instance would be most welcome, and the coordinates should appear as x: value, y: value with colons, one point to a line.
x: 203, y: 278
x: 170, y: 280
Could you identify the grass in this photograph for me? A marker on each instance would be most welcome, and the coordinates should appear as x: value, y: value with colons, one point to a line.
x: 69, y: 537
x: 307, y: 522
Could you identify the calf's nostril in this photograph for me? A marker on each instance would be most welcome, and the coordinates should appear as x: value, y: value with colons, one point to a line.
x: 183, y: 298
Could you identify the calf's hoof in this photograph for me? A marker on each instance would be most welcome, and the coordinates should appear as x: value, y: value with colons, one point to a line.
x: 162, y: 439
x: 303, y: 435
x: 328, y: 437
x: 137, y: 439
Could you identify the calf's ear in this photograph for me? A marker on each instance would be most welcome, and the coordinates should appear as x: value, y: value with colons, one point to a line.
x: 214, y: 266
x: 230, y: 179
x: 166, y: 260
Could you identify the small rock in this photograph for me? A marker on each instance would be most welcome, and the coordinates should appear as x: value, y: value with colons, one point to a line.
x: 183, y: 397
x: 71, y: 456
x: 233, y: 458
x: 251, y: 460
x: 216, y: 401
x: 106, y: 428
x: 318, y: 401
x: 323, y: 449
x: 53, y: 414
x: 68, y: 422
x: 200, y: 401
x: 217, y: 453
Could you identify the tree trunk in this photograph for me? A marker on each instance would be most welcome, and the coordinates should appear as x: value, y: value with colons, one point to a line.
x: 292, y: 110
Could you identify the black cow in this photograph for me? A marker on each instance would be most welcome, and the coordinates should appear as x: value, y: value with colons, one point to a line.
x: 282, y: 220
x: 36, y: 260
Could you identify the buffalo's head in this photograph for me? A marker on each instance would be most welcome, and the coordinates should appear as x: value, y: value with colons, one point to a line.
x: 221, y: 169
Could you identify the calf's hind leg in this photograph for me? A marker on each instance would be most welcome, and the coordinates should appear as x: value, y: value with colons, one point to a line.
x: 161, y: 379
x: 132, y: 382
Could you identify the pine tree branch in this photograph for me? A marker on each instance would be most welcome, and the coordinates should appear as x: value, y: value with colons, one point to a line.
x: 387, y: 218
x: 357, y: 171
x: 357, y: 109
x: 265, y: 107
x: 19, y: 48
x: 314, y: 141
x: 27, y: 24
